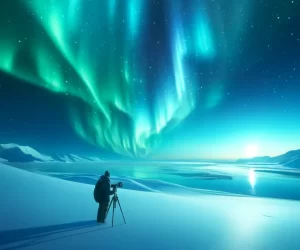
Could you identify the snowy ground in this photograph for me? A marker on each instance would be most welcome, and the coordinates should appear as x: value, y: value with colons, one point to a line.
x: 41, y: 212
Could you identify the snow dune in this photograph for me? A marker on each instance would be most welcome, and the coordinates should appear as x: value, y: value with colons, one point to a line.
x: 42, y: 212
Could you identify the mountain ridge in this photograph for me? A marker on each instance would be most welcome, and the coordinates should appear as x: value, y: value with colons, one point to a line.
x: 13, y: 152
x: 288, y: 159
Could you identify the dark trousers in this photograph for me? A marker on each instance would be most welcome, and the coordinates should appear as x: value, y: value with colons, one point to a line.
x: 103, y: 206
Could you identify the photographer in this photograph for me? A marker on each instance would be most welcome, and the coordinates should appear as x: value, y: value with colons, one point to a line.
x: 101, y: 194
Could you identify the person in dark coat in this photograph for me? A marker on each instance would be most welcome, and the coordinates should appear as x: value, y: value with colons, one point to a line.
x: 103, y: 193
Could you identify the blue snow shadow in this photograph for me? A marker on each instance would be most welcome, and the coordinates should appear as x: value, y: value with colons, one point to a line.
x: 35, y: 235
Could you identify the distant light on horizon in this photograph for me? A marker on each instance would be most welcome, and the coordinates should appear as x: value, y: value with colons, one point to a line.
x: 251, y: 150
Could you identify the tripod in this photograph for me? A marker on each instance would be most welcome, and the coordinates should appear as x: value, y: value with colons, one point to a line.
x: 114, y: 200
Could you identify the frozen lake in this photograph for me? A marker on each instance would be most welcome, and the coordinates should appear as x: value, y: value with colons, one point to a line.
x: 273, y: 181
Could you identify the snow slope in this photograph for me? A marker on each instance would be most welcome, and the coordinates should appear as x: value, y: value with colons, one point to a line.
x: 287, y: 156
x: 42, y: 212
x: 294, y: 163
x: 15, y: 152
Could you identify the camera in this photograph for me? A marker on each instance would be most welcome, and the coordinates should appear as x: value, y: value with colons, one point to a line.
x: 115, y: 186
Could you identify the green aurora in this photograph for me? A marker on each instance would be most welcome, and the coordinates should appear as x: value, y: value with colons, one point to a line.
x: 96, y: 51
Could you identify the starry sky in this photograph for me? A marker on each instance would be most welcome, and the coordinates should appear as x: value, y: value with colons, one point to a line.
x: 152, y: 79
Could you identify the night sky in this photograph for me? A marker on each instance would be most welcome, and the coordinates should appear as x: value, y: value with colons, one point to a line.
x: 168, y: 79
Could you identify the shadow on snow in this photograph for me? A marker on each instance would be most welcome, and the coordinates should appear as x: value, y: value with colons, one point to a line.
x: 38, y: 235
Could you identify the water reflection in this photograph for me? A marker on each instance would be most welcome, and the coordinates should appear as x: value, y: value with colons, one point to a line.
x: 252, y: 180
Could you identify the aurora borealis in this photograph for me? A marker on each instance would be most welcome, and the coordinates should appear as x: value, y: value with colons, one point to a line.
x: 97, y: 57
x: 134, y: 72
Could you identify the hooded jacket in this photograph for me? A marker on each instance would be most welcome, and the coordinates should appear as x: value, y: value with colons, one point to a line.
x: 103, y: 189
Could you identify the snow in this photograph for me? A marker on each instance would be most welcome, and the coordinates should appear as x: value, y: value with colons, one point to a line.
x: 294, y: 163
x: 94, y: 158
x: 42, y: 212
x: 27, y: 151
x: 287, y: 156
x: 289, y: 159
x: 16, y: 153
x: 71, y: 158
x: 138, y: 184
x: 68, y: 158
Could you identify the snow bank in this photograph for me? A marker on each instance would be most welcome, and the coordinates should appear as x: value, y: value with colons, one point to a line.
x: 41, y: 212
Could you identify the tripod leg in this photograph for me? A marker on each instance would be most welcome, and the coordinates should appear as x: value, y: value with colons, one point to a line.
x: 121, y: 210
x: 108, y: 209
x: 113, y: 216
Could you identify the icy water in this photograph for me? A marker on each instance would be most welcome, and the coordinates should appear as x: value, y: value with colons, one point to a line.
x: 273, y: 181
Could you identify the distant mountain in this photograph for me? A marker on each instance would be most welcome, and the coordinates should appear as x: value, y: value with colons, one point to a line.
x: 295, y: 163
x: 74, y: 158
x: 260, y: 159
x: 289, y: 159
x: 15, y: 153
